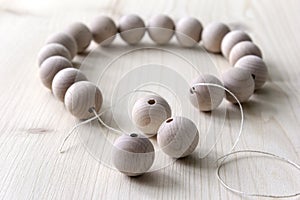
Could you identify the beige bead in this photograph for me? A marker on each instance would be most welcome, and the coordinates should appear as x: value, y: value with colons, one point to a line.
x: 149, y: 112
x: 64, y: 79
x: 231, y: 39
x: 213, y: 35
x: 64, y: 39
x: 242, y: 49
x: 133, y: 154
x: 104, y: 30
x: 50, y: 67
x: 188, y: 31
x: 178, y: 137
x: 131, y: 28
x: 82, y: 35
x: 256, y: 66
x: 161, y: 29
x: 81, y: 97
x: 53, y: 50
x: 206, y: 98
x: 240, y: 82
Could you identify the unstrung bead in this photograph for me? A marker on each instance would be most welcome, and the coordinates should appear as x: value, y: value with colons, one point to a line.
x: 104, y: 30
x: 240, y: 82
x: 161, y: 29
x: 131, y: 28
x: 133, y: 154
x: 178, y: 137
x: 53, y: 50
x: 149, y: 112
x: 64, y: 39
x: 188, y: 31
x: 64, y: 79
x: 81, y: 34
x: 81, y: 97
x: 231, y: 39
x: 213, y: 35
x: 50, y: 67
x: 242, y: 49
x: 206, y: 98
x: 256, y: 66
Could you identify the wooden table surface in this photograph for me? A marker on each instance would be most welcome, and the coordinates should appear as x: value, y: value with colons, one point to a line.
x: 33, y: 123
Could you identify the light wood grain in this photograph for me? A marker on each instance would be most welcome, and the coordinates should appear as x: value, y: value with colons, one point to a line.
x: 33, y: 123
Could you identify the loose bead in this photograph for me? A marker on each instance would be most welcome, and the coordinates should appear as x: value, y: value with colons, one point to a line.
x: 161, y: 29
x: 66, y: 40
x: 149, y: 112
x: 81, y: 97
x: 53, y: 50
x: 178, y: 137
x: 242, y: 49
x: 213, y: 35
x: 131, y: 28
x: 50, y: 67
x: 240, y: 82
x: 104, y: 30
x: 188, y: 31
x: 133, y: 154
x: 81, y: 34
x: 256, y: 66
x: 64, y: 79
x: 206, y: 98
x: 231, y: 39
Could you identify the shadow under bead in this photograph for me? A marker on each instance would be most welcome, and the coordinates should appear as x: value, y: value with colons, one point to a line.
x: 104, y: 30
x: 133, y: 154
x: 242, y: 49
x: 178, y: 137
x: 53, y: 49
x: 81, y: 97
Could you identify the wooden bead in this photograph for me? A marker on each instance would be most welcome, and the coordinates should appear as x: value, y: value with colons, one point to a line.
x: 133, y: 154
x: 149, y: 112
x: 256, y: 66
x: 231, y: 39
x: 206, y: 98
x: 131, y: 28
x: 188, y: 31
x: 82, y: 35
x: 104, y: 30
x: 64, y: 79
x: 53, y: 50
x: 50, y: 67
x: 161, y: 29
x: 81, y: 97
x: 213, y: 35
x: 242, y: 49
x: 240, y: 82
x: 66, y: 40
x: 178, y: 137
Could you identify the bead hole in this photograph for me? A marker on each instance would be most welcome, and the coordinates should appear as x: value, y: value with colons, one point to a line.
x: 192, y: 90
x: 133, y: 135
x: 253, y: 76
x: 169, y: 120
x: 151, y: 101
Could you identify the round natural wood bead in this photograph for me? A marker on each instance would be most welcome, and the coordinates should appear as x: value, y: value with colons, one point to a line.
x: 131, y: 28
x: 206, y: 98
x: 104, y: 30
x: 64, y: 79
x: 133, y: 154
x: 50, y: 67
x: 188, y: 31
x: 81, y: 97
x: 161, y: 29
x: 231, y: 39
x: 64, y: 39
x: 242, y: 49
x: 178, y: 137
x: 149, y: 112
x: 256, y: 66
x: 53, y: 50
x: 82, y: 35
x: 213, y: 35
x: 240, y: 82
